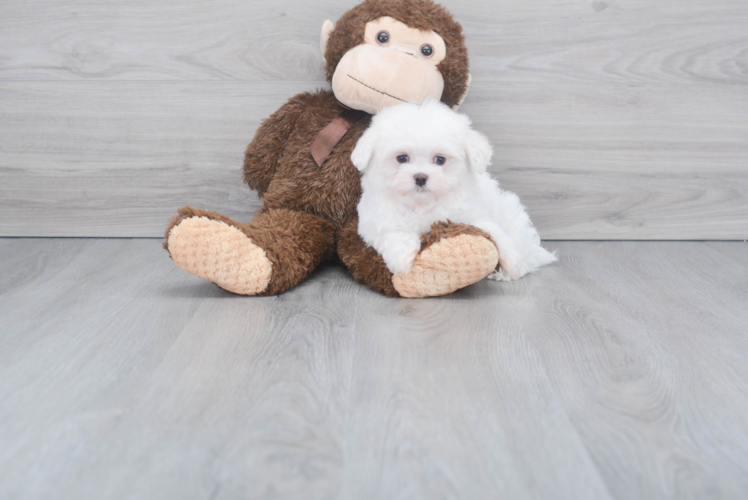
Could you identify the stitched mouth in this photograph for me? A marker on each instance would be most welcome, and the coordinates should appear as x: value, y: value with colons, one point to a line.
x: 372, y: 88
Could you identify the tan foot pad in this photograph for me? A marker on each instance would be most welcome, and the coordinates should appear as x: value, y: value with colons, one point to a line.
x: 220, y: 253
x: 448, y: 265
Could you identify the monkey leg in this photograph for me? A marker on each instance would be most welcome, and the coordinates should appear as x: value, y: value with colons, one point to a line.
x: 452, y: 256
x: 274, y: 252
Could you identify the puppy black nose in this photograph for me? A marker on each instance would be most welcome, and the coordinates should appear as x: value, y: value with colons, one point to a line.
x: 421, y: 179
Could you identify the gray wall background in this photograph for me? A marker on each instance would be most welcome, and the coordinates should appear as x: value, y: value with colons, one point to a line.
x: 620, y: 119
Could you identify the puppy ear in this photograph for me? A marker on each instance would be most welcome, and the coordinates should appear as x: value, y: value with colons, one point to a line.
x: 478, y: 150
x: 364, y: 151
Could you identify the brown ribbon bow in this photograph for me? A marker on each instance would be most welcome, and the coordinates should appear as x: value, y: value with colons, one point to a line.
x: 329, y: 136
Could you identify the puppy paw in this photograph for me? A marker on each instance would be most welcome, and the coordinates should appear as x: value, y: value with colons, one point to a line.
x: 402, y: 263
x: 499, y: 276
x: 400, y: 253
x: 512, y: 266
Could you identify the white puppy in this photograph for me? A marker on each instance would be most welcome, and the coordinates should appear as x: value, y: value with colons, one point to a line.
x: 423, y: 164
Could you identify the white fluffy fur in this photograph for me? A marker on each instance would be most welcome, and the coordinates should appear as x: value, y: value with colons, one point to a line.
x: 394, y: 211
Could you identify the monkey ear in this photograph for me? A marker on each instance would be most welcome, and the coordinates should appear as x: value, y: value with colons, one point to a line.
x: 327, y: 28
x: 363, y: 152
x: 467, y: 87
x: 478, y: 150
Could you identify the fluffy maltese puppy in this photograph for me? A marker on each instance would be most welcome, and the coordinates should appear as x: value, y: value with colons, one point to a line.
x: 423, y: 164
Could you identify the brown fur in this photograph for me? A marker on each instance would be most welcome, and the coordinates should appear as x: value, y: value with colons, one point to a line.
x: 295, y: 242
x: 363, y: 262
x: 441, y: 230
x: 331, y: 191
x: 266, y: 149
x: 420, y: 14
x: 309, y: 211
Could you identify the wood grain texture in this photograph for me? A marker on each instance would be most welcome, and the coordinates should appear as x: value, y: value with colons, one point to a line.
x: 617, y: 41
x: 118, y: 159
x: 621, y: 119
x: 620, y: 372
x: 589, y: 161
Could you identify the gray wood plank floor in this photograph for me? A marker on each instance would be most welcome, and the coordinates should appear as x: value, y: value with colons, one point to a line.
x: 619, y: 372
x: 622, y: 119
x: 118, y: 158
x: 614, y: 41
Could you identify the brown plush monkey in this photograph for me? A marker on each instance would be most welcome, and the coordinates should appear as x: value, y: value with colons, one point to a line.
x: 380, y: 53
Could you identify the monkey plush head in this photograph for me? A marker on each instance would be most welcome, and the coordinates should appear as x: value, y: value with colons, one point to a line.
x: 383, y: 52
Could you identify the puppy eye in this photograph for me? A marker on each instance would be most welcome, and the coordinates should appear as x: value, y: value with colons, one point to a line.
x: 383, y: 37
x: 439, y: 160
x: 403, y: 158
x: 427, y: 50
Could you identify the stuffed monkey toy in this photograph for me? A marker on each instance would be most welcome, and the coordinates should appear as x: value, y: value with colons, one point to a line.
x: 380, y: 53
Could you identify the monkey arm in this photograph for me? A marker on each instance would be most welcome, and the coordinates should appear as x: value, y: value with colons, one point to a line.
x: 263, y: 153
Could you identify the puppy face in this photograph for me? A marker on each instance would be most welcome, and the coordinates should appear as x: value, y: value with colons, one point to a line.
x: 418, y: 155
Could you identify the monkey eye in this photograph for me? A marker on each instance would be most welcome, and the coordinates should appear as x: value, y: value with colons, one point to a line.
x: 403, y: 158
x: 383, y: 37
x: 427, y: 50
x: 439, y: 160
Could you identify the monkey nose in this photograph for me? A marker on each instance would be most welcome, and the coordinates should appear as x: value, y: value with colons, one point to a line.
x: 421, y: 179
x: 404, y: 49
